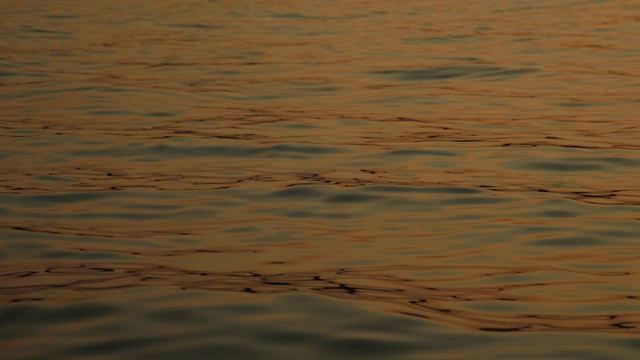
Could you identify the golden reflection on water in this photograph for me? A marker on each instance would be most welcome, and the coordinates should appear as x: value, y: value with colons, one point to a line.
x: 473, y: 165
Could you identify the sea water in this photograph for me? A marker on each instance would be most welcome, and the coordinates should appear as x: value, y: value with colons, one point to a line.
x: 320, y: 179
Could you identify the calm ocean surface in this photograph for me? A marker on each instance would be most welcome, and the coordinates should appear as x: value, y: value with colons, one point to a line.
x: 343, y: 179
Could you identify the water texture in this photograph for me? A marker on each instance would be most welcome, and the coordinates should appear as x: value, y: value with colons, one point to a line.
x: 320, y: 179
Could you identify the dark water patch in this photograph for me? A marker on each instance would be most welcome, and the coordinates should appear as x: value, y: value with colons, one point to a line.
x: 584, y: 104
x: 191, y: 213
x: 274, y: 151
x: 569, y: 242
x: 418, y: 152
x: 35, y: 201
x: 103, y: 210
x: 23, y: 80
x: 151, y: 207
x: 26, y: 248
x: 284, y: 236
x: 426, y: 189
x: 42, y: 253
x: 454, y: 190
x: 64, y: 17
x: 30, y: 29
x: 243, y: 229
x: 618, y: 161
x: 632, y: 344
x: 363, y: 348
x: 493, y: 73
x: 298, y: 126
x: 8, y: 154
x: 350, y: 198
x: 299, y: 193
x: 162, y: 114
x: 300, y: 214
x: 54, y: 179
x: 112, y: 113
x: 330, y: 194
x: 173, y: 315
x: 43, y: 238
x: 15, y: 314
x: 472, y: 59
x: 558, y: 214
x: 197, y: 26
x: 579, y: 164
x: 41, y: 95
x: 58, y: 255
x: 120, y: 347
x: 321, y: 213
x: 398, y: 189
x: 444, y: 40
x: 619, y: 233
x: 164, y: 152
x: 444, y: 190
x: 57, y: 315
x: 478, y: 201
x: 301, y: 16
x: 112, y: 89
x: 572, y: 165
x: 61, y: 54
x: 322, y: 88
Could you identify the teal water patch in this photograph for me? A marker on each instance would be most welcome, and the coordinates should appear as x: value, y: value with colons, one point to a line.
x: 384, y: 192
x: 301, y: 16
x: 7, y: 154
x: 42, y: 94
x: 444, y: 40
x: 113, y: 113
x: 55, y: 179
x: 55, y: 315
x: 300, y: 193
x: 558, y: 214
x: 476, y: 72
x: 475, y: 201
x: 276, y: 327
x: 162, y: 114
x: 418, y: 152
x: 570, y: 241
x: 164, y: 152
x: 444, y: 190
x: 576, y: 164
x: 347, y: 198
x: 64, y: 17
x: 35, y: 201
x: 196, y: 26
x: 30, y: 29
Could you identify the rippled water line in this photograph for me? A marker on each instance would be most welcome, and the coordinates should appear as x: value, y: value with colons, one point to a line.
x: 418, y: 296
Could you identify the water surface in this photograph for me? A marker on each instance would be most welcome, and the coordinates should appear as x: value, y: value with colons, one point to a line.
x: 335, y: 179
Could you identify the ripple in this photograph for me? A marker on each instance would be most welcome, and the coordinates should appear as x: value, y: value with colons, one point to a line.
x: 421, y: 299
